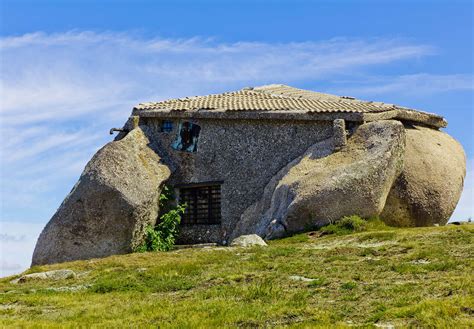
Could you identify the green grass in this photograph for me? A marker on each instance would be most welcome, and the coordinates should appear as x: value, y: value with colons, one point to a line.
x: 347, y: 225
x: 417, y: 277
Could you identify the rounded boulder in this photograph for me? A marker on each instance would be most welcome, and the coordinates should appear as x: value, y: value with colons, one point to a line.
x: 107, y: 211
x: 430, y: 185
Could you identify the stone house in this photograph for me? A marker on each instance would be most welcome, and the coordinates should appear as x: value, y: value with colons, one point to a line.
x: 270, y: 160
x: 245, y: 138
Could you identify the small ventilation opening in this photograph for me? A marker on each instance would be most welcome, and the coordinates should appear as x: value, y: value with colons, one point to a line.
x: 166, y: 126
x: 203, y: 203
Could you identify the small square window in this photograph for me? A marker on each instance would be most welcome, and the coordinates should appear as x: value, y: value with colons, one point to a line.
x: 166, y: 126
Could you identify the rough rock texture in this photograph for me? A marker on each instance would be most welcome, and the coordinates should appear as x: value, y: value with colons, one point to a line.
x: 431, y: 182
x: 320, y: 187
x: 248, y: 241
x: 49, y: 275
x: 339, y: 134
x: 243, y: 154
x: 109, y: 207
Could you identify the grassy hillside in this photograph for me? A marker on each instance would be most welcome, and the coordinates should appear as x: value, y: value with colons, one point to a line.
x: 419, y: 277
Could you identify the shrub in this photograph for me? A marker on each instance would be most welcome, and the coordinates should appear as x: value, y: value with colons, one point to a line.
x: 163, y: 236
x: 346, y: 225
x: 353, y: 223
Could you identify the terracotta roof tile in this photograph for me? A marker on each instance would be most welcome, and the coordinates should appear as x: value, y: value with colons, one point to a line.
x: 284, y: 99
x: 268, y: 98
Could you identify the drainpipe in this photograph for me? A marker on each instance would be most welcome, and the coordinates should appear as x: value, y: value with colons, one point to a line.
x: 111, y: 131
x: 132, y: 123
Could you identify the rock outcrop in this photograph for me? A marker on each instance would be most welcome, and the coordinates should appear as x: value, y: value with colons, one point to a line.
x: 321, y: 186
x: 108, y: 209
x: 431, y: 182
x: 54, y: 275
x: 248, y: 241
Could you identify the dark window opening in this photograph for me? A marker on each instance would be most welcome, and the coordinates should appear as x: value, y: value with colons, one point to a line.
x: 203, y: 204
x: 188, y: 134
x: 166, y: 126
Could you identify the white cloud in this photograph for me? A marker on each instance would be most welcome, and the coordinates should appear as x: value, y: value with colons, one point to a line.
x: 16, y: 247
x: 411, y: 85
x: 60, y: 93
x: 8, y: 237
x: 74, y: 73
x: 7, y: 268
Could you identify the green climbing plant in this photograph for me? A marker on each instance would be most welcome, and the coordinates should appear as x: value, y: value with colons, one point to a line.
x: 162, y: 237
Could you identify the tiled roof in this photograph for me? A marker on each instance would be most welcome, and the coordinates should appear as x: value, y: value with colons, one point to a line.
x: 269, y: 98
x: 280, y: 101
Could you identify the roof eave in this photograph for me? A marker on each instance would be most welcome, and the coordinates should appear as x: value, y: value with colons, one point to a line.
x: 250, y: 115
x: 428, y: 119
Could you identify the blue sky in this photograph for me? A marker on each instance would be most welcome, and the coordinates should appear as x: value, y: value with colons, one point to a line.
x: 70, y: 70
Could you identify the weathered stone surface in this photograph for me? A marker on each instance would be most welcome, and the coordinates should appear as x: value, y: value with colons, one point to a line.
x: 339, y: 134
x: 49, y: 275
x: 320, y: 187
x: 106, y: 212
x: 248, y: 241
x: 431, y: 182
x: 243, y: 155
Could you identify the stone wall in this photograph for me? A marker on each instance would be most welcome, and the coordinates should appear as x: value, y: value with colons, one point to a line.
x: 244, y: 154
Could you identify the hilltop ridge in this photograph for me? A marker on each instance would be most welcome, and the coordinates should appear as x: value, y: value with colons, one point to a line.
x: 404, y: 277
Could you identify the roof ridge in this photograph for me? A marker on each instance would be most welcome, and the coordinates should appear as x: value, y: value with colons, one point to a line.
x: 277, y: 98
x: 298, y: 93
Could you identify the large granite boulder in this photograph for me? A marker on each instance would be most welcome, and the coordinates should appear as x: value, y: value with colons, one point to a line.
x: 431, y: 182
x: 322, y: 186
x: 108, y: 209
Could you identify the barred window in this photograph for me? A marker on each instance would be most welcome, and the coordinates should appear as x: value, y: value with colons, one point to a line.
x: 166, y: 126
x: 203, y: 203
